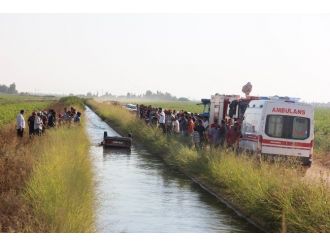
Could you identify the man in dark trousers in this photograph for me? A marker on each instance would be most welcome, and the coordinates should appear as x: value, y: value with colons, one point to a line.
x: 233, y: 136
x: 201, y: 130
x: 222, y: 133
x: 31, y: 124
x: 20, y: 124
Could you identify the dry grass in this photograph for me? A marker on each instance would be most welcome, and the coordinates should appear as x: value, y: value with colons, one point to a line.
x: 15, y: 167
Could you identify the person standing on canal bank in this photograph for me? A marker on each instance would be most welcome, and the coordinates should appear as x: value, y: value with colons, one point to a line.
x: 232, y: 137
x: 77, y: 117
x: 168, y: 122
x: 201, y: 130
x: 31, y: 124
x: 20, y: 124
x: 161, y: 119
x: 196, y: 139
x: 190, y: 130
x: 51, y: 118
x: 38, y: 124
x: 183, y: 124
x: 222, y: 133
x: 212, y: 133
x: 176, y: 126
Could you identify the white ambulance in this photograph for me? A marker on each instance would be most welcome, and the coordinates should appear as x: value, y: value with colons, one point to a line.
x: 279, y: 127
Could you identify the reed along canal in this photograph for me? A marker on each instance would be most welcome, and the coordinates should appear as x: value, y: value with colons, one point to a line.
x: 136, y: 192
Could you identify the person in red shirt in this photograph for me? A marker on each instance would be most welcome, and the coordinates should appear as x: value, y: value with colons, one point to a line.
x: 211, y: 132
x: 233, y: 136
x: 190, y: 130
x: 191, y: 126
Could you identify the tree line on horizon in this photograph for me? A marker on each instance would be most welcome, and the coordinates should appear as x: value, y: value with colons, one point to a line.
x: 11, y: 89
x: 148, y: 95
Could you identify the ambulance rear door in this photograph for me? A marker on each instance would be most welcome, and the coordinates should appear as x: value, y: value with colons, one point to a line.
x: 288, y: 129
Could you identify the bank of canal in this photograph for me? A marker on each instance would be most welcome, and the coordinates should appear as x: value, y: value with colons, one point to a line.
x: 138, y: 193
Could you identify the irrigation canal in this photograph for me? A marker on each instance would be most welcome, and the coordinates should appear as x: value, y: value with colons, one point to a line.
x: 136, y: 192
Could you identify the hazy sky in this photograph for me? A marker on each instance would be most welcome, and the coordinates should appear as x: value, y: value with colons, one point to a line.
x: 191, y: 55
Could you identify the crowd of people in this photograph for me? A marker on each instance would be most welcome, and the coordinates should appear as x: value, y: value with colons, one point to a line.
x: 196, y: 128
x: 39, y: 121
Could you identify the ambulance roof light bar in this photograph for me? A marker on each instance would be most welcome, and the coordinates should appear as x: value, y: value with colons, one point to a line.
x: 285, y: 98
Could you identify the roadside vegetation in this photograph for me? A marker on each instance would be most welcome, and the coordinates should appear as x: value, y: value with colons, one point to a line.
x: 273, y: 195
x: 46, y: 182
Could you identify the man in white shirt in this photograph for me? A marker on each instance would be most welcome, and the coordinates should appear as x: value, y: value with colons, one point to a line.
x: 176, y: 125
x: 20, y: 124
x: 161, y: 119
x: 38, y: 124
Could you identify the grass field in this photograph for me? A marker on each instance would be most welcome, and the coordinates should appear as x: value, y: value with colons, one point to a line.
x: 14, y: 98
x: 10, y: 105
x: 322, y: 130
x: 273, y: 194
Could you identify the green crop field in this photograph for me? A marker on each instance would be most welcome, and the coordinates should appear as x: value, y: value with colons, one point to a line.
x: 322, y: 129
x: 10, y: 105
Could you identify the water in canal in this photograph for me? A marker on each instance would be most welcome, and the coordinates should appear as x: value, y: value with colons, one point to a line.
x: 138, y: 193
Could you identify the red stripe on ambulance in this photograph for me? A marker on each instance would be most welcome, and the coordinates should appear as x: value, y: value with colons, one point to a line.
x: 287, y: 143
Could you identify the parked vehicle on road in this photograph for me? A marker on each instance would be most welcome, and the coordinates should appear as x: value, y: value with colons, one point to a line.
x: 131, y: 107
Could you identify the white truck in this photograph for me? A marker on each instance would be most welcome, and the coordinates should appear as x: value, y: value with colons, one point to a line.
x: 279, y: 127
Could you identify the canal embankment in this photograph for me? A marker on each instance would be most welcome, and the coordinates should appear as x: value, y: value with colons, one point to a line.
x: 47, y: 181
x: 271, y: 195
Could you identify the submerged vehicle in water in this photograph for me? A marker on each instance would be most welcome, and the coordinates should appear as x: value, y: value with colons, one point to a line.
x: 116, y: 141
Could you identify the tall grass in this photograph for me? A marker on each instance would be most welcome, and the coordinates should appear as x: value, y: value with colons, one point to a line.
x: 46, y: 182
x: 274, y: 195
x: 61, y: 190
